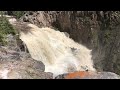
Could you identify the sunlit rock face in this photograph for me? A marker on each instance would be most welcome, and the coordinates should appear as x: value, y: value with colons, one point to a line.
x: 59, y: 53
x: 20, y: 65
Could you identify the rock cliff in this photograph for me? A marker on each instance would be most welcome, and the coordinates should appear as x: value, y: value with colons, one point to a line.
x: 98, y: 30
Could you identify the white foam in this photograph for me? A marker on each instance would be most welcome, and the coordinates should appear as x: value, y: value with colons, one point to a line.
x: 3, y: 73
x: 53, y: 48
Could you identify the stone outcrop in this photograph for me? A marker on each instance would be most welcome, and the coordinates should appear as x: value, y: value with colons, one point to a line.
x: 88, y: 75
x: 20, y: 65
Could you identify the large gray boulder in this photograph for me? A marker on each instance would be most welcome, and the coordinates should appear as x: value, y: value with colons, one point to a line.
x: 19, y: 65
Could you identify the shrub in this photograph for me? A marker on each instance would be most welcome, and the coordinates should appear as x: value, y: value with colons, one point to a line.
x: 5, y: 29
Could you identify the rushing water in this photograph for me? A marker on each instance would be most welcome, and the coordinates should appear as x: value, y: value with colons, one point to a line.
x: 59, y: 53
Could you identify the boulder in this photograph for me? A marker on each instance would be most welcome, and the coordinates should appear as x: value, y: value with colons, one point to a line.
x: 88, y: 75
x: 19, y: 65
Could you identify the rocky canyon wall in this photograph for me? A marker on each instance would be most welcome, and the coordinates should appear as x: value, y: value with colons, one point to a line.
x: 98, y: 30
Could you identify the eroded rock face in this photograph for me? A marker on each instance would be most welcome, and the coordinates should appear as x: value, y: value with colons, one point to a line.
x: 89, y: 75
x: 98, y: 30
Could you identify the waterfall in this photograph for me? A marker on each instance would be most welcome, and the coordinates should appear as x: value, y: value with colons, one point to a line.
x: 59, y: 53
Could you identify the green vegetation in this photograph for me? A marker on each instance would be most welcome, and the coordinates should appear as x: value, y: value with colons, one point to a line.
x: 18, y: 14
x: 5, y: 29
